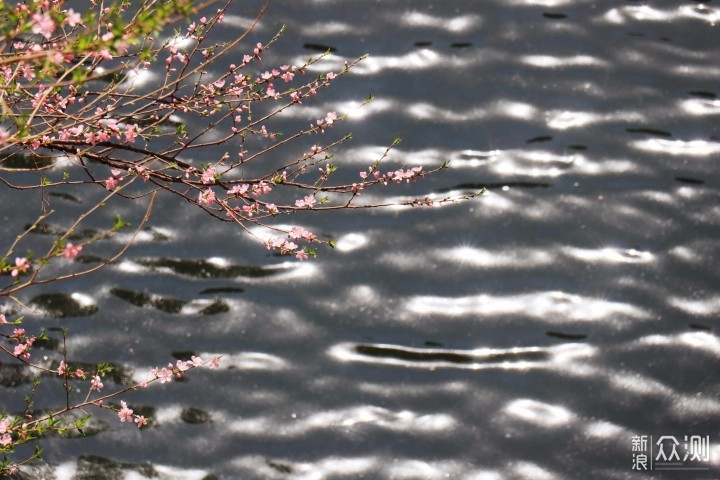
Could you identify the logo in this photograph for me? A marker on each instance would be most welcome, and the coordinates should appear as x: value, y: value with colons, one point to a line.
x: 667, y: 452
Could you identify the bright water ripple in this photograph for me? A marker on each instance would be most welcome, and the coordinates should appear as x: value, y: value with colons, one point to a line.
x: 527, y: 334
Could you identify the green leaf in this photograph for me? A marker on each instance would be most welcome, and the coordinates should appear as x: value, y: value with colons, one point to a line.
x: 119, y: 223
x: 332, y: 243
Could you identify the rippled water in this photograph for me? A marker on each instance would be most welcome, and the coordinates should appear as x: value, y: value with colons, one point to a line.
x: 527, y: 334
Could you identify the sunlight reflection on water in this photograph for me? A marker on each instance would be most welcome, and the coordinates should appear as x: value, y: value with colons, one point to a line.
x: 576, y: 300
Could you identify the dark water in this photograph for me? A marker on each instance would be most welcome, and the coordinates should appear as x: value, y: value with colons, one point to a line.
x: 527, y: 334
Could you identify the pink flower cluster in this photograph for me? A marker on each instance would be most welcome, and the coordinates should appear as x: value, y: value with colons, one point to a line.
x: 126, y: 415
x: 306, y: 202
x: 326, y: 122
x: 71, y: 251
x: 21, y: 266
x: 112, y: 181
x: 399, y: 175
x: 243, y: 191
x: 6, y: 439
x: 166, y: 374
x: 208, y: 176
x: 285, y: 246
x: 43, y: 24
x: 22, y: 349
x: 207, y: 197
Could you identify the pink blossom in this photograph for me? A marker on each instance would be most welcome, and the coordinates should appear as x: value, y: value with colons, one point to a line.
x: 44, y: 25
x: 5, y: 440
x: 308, y: 202
x: 125, y: 414
x: 4, y: 135
x: 71, y: 251
x: 250, y: 209
x: 79, y: 373
x: 261, y: 188
x: 301, y: 255
x: 165, y: 375
x: 104, y: 53
x: 215, y: 362
x: 73, y: 18
x: 297, y: 233
x: 296, y: 96
x: 239, y: 189
x: 4, y: 424
x: 21, y: 265
x: 131, y: 133
x: 142, y: 171
x: 111, y: 183
x: 7, y: 73
x: 330, y: 76
x: 270, y: 92
x: 288, y: 76
x: 207, y: 197
x: 2, y: 318
x: 330, y: 118
x: 96, y: 384
x: 19, y: 349
x: 28, y: 72
x: 272, y: 208
x: 196, y: 361
x: 208, y: 176
x: 141, y: 421
x: 182, y: 366
x: 62, y: 368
